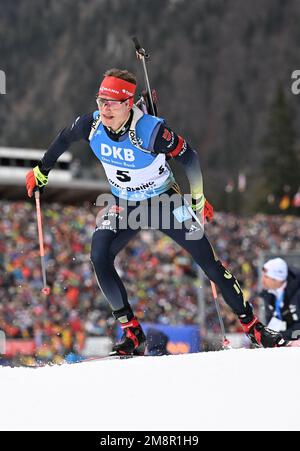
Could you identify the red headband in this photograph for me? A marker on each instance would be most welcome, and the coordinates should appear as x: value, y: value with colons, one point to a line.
x: 117, y: 88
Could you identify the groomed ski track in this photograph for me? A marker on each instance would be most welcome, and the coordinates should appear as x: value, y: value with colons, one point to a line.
x: 229, y: 390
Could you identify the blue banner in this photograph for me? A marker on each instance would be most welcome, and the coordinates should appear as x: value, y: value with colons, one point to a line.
x: 182, y: 339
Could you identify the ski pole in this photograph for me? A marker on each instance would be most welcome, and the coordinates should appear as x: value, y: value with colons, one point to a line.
x: 225, y: 341
x: 46, y: 289
x: 142, y: 56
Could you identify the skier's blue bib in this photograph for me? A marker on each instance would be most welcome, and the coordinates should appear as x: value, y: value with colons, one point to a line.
x: 131, y: 172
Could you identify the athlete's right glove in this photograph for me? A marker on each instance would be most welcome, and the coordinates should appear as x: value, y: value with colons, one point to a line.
x: 35, y: 179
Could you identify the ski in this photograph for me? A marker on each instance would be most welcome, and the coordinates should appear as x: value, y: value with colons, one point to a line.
x: 108, y: 357
x: 290, y: 344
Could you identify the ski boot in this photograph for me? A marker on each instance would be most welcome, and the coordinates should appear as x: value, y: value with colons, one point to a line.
x: 261, y: 336
x: 133, y: 341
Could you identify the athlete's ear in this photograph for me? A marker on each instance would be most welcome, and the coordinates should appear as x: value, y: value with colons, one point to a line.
x: 129, y: 104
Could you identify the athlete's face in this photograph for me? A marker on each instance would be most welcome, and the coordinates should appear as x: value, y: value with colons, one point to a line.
x: 113, y: 112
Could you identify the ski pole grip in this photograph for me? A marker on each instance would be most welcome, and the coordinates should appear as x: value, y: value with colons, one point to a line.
x: 141, y: 53
x: 136, y: 43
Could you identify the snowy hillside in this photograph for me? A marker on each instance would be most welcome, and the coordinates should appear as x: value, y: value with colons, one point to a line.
x: 235, y: 390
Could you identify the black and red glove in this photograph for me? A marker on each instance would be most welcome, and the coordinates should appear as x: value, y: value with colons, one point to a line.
x: 35, y: 179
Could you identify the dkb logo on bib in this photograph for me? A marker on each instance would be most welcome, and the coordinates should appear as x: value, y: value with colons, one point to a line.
x: 117, y: 152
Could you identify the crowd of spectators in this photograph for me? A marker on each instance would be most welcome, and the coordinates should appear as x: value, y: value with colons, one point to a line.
x: 161, y: 279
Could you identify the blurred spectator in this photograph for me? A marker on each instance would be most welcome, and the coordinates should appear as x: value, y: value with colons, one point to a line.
x: 281, y: 293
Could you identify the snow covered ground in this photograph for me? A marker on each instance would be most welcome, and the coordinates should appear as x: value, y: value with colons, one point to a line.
x: 229, y: 390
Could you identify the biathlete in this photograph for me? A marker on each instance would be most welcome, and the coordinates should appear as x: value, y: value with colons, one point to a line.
x: 133, y: 148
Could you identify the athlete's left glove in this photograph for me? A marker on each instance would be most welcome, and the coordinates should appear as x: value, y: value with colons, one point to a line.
x: 35, y: 179
x: 200, y: 203
x: 208, y: 211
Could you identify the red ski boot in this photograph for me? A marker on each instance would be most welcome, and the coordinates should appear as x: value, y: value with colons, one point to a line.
x: 133, y: 341
x: 263, y: 337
